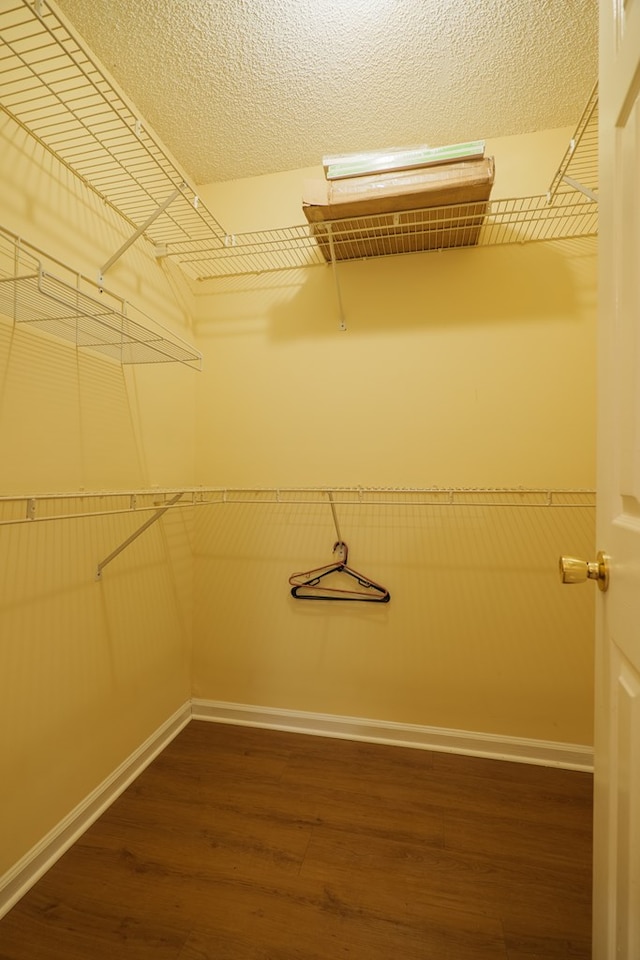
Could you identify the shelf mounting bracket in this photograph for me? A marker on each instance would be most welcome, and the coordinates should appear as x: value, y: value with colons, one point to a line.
x: 334, y: 267
x: 138, y: 233
x: 581, y: 188
x: 134, y: 536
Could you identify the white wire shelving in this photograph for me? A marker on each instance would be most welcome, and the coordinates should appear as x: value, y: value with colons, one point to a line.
x: 25, y: 509
x: 579, y: 167
x: 54, y: 89
x: 31, y: 508
x: 43, y: 293
x: 519, y: 220
x: 52, y: 86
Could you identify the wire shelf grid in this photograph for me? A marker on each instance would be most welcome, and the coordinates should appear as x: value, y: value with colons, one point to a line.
x: 54, y: 90
x: 76, y: 310
x: 579, y: 166
x: 519, y: 220
x: 29, y: 508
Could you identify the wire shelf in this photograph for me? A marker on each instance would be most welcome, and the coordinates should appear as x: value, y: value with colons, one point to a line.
x: 579, y: 167
x: 520, y: 220
x: 72, y: 308
x: 54, y: 89
x: 29, y: 508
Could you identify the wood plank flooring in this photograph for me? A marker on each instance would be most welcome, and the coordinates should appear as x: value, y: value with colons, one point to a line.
x: 247, y: 844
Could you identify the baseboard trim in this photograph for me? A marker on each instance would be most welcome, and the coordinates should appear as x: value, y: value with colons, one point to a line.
x: 569, y: 756
x: 27, y: 871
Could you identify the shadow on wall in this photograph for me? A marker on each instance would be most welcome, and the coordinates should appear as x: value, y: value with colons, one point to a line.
x: 452, y: 288
x: 66, y: 420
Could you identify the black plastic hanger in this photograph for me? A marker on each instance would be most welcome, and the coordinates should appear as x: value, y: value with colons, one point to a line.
x: 307, y: 586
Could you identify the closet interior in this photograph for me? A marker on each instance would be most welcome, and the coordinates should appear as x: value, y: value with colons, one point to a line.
x: 182, y: 432
x: 54, y: 89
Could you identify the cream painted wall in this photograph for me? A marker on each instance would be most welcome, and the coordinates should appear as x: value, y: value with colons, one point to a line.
x: 456, y: 369
x: 87, y: 670
x: 448, y: 374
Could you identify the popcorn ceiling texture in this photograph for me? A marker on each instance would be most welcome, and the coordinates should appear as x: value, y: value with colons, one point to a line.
x: 237, y: 88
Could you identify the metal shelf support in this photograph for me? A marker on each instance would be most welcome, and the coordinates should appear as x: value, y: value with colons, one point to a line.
x: 137, y: 533
x: 138, y: 233
x: 579, y: 186
x: 342, y: 325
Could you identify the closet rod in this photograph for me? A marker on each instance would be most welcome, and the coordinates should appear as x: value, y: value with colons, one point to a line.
x: 309, y: 496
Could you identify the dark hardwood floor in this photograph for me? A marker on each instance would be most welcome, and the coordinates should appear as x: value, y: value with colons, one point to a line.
x: 248, y: 844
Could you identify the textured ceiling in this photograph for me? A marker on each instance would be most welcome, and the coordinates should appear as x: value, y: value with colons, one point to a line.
x: 237, y: 88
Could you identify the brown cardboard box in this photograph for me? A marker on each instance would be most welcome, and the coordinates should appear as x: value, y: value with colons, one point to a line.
x: 400, y: 212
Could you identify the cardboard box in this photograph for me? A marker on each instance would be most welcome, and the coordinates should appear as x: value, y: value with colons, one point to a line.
x: 398, y: 158
x: 400, y: 212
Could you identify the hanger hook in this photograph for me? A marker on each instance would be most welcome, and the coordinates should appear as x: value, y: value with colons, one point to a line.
x: 341, y: 547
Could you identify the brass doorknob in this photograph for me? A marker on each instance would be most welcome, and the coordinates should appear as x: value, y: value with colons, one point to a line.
x: 573, y: 570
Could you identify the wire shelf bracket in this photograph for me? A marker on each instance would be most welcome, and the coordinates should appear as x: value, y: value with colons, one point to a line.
x: 579, y: 169
x: 137, y: 533
x: 53, y: 88
x: 581, y: 187
x: 342, y: 322
x: 138, y: 233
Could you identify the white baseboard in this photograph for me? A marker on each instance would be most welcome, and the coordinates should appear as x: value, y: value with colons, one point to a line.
x: 27, y: 871
x: 569, y: 756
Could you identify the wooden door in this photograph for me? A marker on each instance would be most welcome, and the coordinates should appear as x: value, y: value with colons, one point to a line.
x: 617, y: 723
